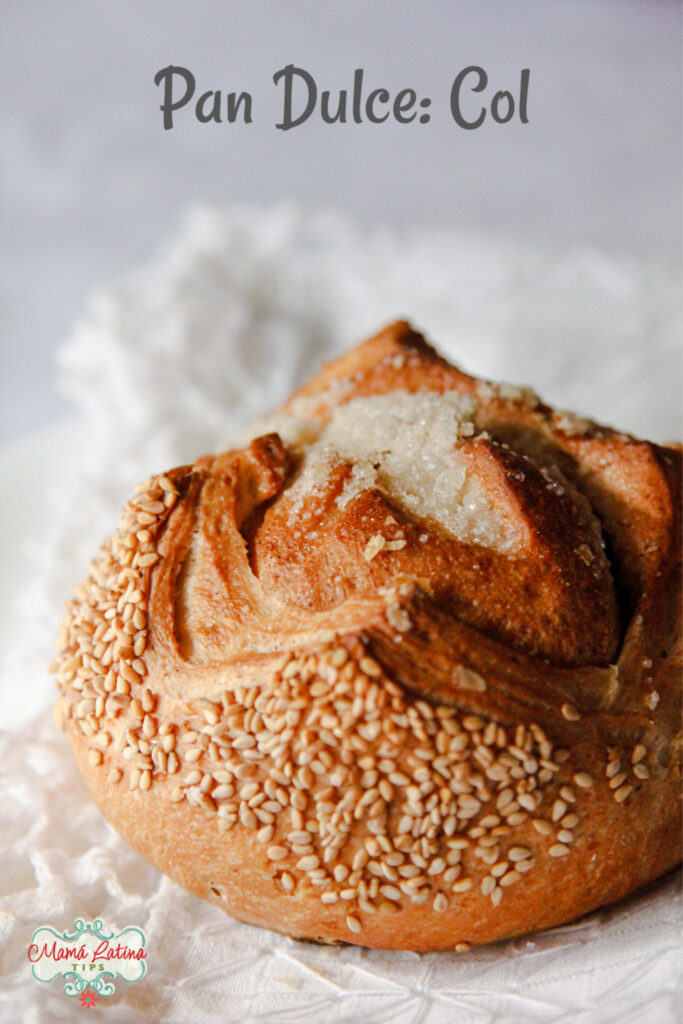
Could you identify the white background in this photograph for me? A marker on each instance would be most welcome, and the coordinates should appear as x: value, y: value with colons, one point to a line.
x: 91, y: 183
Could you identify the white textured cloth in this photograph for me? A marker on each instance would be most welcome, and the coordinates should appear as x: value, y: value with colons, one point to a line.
x: 237, y: 310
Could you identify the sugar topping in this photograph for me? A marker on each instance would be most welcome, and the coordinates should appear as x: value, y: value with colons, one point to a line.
x: 411, y: 447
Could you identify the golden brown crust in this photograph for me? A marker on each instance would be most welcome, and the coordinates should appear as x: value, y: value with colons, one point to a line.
x: 569, y: 612
x: 374, y: 732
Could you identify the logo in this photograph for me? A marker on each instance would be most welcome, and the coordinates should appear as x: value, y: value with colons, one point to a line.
x: 88, y: 959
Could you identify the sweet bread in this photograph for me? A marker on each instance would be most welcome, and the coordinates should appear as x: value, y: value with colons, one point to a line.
x: 401, y: 670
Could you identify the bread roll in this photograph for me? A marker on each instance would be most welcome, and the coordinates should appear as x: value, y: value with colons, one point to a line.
x: 403, y: 670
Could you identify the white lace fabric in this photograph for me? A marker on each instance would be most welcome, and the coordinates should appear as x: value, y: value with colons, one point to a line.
x: 238, y: 309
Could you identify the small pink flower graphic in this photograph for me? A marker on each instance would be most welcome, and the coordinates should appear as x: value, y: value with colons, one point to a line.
x: 88, y: 998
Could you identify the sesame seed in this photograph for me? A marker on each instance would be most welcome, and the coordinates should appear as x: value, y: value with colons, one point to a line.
x: 247, y: 817
x: 277, y: 853
x: 639, y: 753
x: 462, y: 886
x: 399, y: 779
x: 617, y: 780
x: 370, y: 667
x: 504, y: 798
x: 299, y: 837
x: 251, y: 789
x: 558, y: 850
x: 641, y: 771
x: 244, y: 742
x: 570, y: 713
x: 583, y: 780
x: 147, y: 560
x: 440, y: 902
x: 517, y: 853
x: 129, y: 674
x: 622, y: 793
x: 390, y: 892
x: 223, y: 792
x: 527, y: 801
x: 360, y: 859
x: 559, y: 808
x: 386, y: 789
x: 462, y: 947
x: 95, y: 757
x: 353, y: 923
x: 487, y: 886
x: 308, y: 863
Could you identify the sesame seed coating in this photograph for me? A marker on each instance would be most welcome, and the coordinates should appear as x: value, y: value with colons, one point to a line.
x: 352, y: 788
